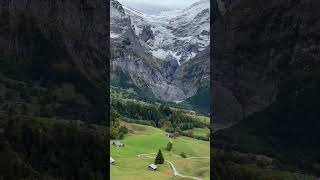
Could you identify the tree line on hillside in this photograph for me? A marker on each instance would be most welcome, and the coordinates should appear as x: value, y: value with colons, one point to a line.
x: 117, y: 131
x: 229, y: 165
x: 45, y: 99
x: 34, y: 149
x: 161, y: 116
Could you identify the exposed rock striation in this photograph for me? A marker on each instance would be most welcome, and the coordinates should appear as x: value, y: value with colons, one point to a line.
x: 157, y: 55
x: 258, y: 47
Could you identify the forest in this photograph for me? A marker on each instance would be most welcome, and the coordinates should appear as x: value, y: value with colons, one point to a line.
x: 42, y: 148
x: 174, y: 121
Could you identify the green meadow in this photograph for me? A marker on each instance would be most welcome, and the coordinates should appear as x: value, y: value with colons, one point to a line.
x: 200, y: 131
x: 147, y: 140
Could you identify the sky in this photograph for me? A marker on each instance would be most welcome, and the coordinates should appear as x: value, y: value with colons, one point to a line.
x: 162, y: 3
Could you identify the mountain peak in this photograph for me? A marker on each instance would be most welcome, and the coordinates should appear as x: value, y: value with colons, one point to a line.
x: 154, y: 50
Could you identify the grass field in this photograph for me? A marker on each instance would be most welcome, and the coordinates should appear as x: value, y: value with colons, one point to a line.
x: 144, y: 140
x: 200, y: 131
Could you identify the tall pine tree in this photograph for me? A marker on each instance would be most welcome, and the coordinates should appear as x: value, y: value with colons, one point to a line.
x: 159, y: 159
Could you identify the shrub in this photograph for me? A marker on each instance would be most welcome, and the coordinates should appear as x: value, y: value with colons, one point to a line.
x: 183, y: 155
x: 169, y: 146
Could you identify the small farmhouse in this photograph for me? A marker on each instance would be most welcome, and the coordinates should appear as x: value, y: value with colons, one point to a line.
x: 170, y: 135
x: 152, y: 167
x: 117, y: 143
x: 112, y: 161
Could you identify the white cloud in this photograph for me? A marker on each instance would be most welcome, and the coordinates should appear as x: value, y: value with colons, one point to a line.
x: 162, y: 3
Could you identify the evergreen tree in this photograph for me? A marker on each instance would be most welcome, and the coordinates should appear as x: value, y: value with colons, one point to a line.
x: 169, y: 146
x: 121, y: 135
x: 114, y: 115
x: 165, y: 110
x: 159, y: 159
x: 123, y: 129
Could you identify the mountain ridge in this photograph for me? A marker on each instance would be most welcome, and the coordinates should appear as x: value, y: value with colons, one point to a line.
x: 144, y: 51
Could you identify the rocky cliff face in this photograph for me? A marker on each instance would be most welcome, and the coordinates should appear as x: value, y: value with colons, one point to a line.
x: 58, y: 42
x: 155, y: 54
x: 67, y: 24
x: 179, y: 34
x: 52, y: 86
x: 266, y: 79
x: 258, y: 47
x: 147, y: 34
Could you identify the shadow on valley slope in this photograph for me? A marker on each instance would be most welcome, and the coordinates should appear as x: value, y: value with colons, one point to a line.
x: 265, y: 78
x: 52, y: 84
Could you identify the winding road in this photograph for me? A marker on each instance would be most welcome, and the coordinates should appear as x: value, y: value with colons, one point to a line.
x: 175, y: 172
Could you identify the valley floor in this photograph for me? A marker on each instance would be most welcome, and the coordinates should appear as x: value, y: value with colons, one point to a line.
x: 143, y: 142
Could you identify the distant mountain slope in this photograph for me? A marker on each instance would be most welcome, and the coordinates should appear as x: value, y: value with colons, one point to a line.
x: 266, y: 78
x: 55, y: 45
x: 52, y: 89
x: 179, y: 34
x: 257, y: 47
x: 153, y: 52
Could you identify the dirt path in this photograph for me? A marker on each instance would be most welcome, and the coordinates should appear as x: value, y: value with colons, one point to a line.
x: 175, y: 172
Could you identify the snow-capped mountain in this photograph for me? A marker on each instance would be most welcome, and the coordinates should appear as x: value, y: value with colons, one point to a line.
x: 153, y: 51
x: 178, y: 34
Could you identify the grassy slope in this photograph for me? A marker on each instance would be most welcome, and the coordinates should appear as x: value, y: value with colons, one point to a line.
x: 201, y: 118
x: 145, y: 139
x: 200, y: 131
